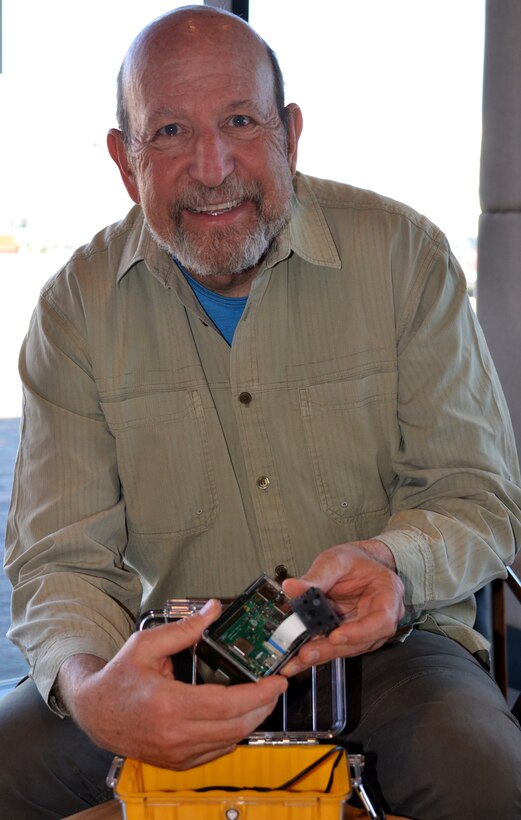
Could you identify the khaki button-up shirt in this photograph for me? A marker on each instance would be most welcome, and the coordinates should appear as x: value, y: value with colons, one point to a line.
x: 358, y: 399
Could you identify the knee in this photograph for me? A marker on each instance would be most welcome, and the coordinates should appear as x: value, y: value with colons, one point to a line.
x: 48, y: 767
x: 22, y: 746
x: 460, y: 763
x: 19, y: 721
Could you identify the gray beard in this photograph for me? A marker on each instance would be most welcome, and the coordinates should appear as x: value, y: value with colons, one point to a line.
x: 226, y: 250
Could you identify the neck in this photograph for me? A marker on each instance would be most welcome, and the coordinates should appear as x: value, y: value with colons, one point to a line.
x: 228, y: 284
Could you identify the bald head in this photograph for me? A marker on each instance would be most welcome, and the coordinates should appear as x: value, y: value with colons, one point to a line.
x: 192, y: 29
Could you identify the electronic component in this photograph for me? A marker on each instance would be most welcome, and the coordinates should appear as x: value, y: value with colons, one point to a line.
x: 314, y: 703
x: 261, y: 630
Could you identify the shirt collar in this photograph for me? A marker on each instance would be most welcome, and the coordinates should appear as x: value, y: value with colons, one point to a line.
x: 308, y: 235
x: 141, y: 246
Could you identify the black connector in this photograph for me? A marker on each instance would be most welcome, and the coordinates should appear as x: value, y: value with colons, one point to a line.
x: 316, y: 612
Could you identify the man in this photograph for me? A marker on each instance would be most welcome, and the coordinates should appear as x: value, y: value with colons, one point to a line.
x: 255, y: 371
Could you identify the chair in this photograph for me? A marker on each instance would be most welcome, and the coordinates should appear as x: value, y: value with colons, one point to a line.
x: 491, y: 622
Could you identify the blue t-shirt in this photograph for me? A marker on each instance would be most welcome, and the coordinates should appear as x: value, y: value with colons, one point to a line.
x: 224, y: 311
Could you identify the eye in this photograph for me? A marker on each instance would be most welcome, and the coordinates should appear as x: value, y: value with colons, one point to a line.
x: 240, y: 121
x: 170, y: 130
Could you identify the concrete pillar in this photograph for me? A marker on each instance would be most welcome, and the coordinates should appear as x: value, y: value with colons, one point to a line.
x: 499, y: 240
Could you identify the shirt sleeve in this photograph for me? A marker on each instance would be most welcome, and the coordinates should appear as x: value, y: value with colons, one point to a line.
x: 66, y: 539
x: 456, y: 505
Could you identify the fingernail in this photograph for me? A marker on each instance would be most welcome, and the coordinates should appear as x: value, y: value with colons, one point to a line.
x: 291, y: 668
x: 208, y: 605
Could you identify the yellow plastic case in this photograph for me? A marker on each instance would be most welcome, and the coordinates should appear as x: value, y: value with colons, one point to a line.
x: 283, y: 773
x: 244, y: 785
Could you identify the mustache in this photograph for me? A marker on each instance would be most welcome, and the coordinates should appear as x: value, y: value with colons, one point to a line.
x: 231, y: 190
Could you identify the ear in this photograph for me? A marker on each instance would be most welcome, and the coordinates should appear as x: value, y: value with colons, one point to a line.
x: 295, y: 124
x: 118, y: 152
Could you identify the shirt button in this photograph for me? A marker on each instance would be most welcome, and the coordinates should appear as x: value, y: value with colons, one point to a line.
x: 281, y: 573
x: 245, y: 398
x: 263, y: 482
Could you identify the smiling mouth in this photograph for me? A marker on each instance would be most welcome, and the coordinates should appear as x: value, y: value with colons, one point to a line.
x: 216, y: 210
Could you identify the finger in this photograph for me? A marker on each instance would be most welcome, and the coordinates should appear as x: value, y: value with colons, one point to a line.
x: 356, y: 634
x: 200, y: 732
x: 297, y: 665
x: 229, y: 702
x: 236, y: 729
x: 323, y: 573
x: 293, y: 587
x: 167, y: 639
x: 350, y: 638
x: 233, y: 730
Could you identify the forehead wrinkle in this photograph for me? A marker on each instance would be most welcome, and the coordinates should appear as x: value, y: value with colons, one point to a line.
x: 181, y: 33
x: 245, y: 102
x: 182, y: 109
x: 165, y: 111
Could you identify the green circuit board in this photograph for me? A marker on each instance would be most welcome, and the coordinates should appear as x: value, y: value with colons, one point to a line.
x: 261, y: 629
x: 248, y: 634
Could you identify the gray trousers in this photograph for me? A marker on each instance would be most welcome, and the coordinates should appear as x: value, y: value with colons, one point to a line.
x: 439, y: 740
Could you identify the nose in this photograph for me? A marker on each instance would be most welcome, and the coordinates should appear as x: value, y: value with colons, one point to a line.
x: 212, y: 160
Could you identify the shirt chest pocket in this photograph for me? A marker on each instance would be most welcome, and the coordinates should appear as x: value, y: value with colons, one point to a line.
x: 351, y: 431
x: 164, y: 462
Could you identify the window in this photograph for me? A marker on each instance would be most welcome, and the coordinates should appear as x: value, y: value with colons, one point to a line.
x: 391, y: 96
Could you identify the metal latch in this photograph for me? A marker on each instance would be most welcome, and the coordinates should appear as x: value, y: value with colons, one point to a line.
x: 356, y: 767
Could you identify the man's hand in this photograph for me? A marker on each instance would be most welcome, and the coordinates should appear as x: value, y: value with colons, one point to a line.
x: 360, y: 578
x: 134, y: 707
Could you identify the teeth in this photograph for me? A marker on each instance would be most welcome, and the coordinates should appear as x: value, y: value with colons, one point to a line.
x: 213, y: 210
